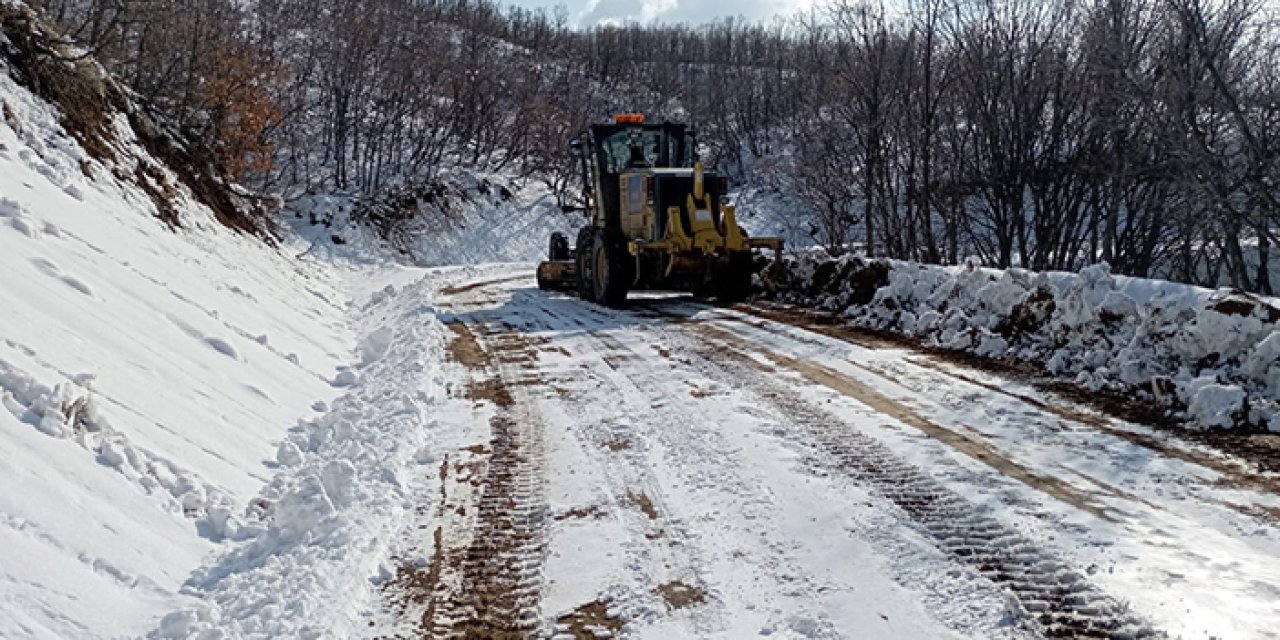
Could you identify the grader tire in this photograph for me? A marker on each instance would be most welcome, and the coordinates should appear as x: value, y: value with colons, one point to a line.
x: 734, y: 284
x: 586, y: 264
x: 611, y: 272
x: 558, y: 249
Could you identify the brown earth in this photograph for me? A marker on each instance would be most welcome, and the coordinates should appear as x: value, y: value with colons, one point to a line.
x: 679, y: 595
x: 489, y: 592
x: 584, y: 622
x: 462, y: 288
x: 642, y: 502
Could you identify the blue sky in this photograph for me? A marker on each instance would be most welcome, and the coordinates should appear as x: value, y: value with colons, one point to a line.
x: 589, y: 12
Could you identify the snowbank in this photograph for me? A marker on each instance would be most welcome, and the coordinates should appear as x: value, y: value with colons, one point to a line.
x: 1215, y: 354
x: 322, y: 526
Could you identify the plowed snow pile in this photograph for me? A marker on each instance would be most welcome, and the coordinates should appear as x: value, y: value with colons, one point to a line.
x: 1214, y: 354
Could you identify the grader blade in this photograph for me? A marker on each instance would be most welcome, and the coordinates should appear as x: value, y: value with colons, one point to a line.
x: 558, y: 275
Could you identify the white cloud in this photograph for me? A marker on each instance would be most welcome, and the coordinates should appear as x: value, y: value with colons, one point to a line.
x: 650, y: 9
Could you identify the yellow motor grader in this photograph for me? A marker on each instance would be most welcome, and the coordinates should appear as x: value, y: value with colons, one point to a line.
x: 659, y: 220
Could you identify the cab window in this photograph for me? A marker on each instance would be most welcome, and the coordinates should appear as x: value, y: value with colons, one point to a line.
x: 635, y: 194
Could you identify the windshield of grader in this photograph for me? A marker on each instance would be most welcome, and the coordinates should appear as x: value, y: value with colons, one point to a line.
x: 642, y: 148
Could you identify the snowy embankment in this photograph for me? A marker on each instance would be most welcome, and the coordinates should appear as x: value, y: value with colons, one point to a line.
x: 1214, y: 354
x: 172, y: 453
x: 463, y: 217
x: 147, y: 375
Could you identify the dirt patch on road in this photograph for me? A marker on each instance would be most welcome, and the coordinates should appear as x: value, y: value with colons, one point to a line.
x: 617, y: 444
x: 591, y: 621
x: 679, y: 595
x: 417, y: 583
x: 642, y: 502
x: 464, y: 348
x: 617, y: 361
x: 463, y: 288
x: 824, y: 322
x: 558, y: 350
x: 1266, y: 514
x: 491, y: 390
x: 1262, y: 449
x: 592, y: 512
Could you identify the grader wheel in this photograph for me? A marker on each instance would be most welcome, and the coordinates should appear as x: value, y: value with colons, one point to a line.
x: 611, y: 268
x: 586, y: 264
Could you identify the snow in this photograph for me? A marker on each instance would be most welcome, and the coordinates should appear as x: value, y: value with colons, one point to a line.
x: 138, y: 407
x: 336, y: 503
x: 724, y: 508
x: 205, y: 437
x: 1167, y: 543
x: 1103, y: 331
x: 480, y: 218
x: 1217, y: 405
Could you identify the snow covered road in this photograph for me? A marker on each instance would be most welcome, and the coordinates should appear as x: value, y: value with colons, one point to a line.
x: 679, y: 470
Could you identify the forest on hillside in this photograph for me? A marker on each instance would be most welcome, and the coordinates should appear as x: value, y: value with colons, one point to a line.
x: 1047, y: 134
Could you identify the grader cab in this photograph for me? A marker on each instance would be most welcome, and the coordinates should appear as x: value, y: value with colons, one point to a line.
x: 659, y: 220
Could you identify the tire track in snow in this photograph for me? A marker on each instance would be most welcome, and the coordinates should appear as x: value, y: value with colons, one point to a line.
x: 974, y: 447
x: 665, y: 423
x: 483, y: 578
x: 1235, y: 471
x: 1046, y: 589
x: 1251, y: 459
x: 1193, y: 520
x: 1061, y: 601
x: 499, y: 571
x: 635, y: 493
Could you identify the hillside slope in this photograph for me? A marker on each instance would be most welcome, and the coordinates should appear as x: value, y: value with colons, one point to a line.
x: 146, y: 374
x: 464, y: 217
